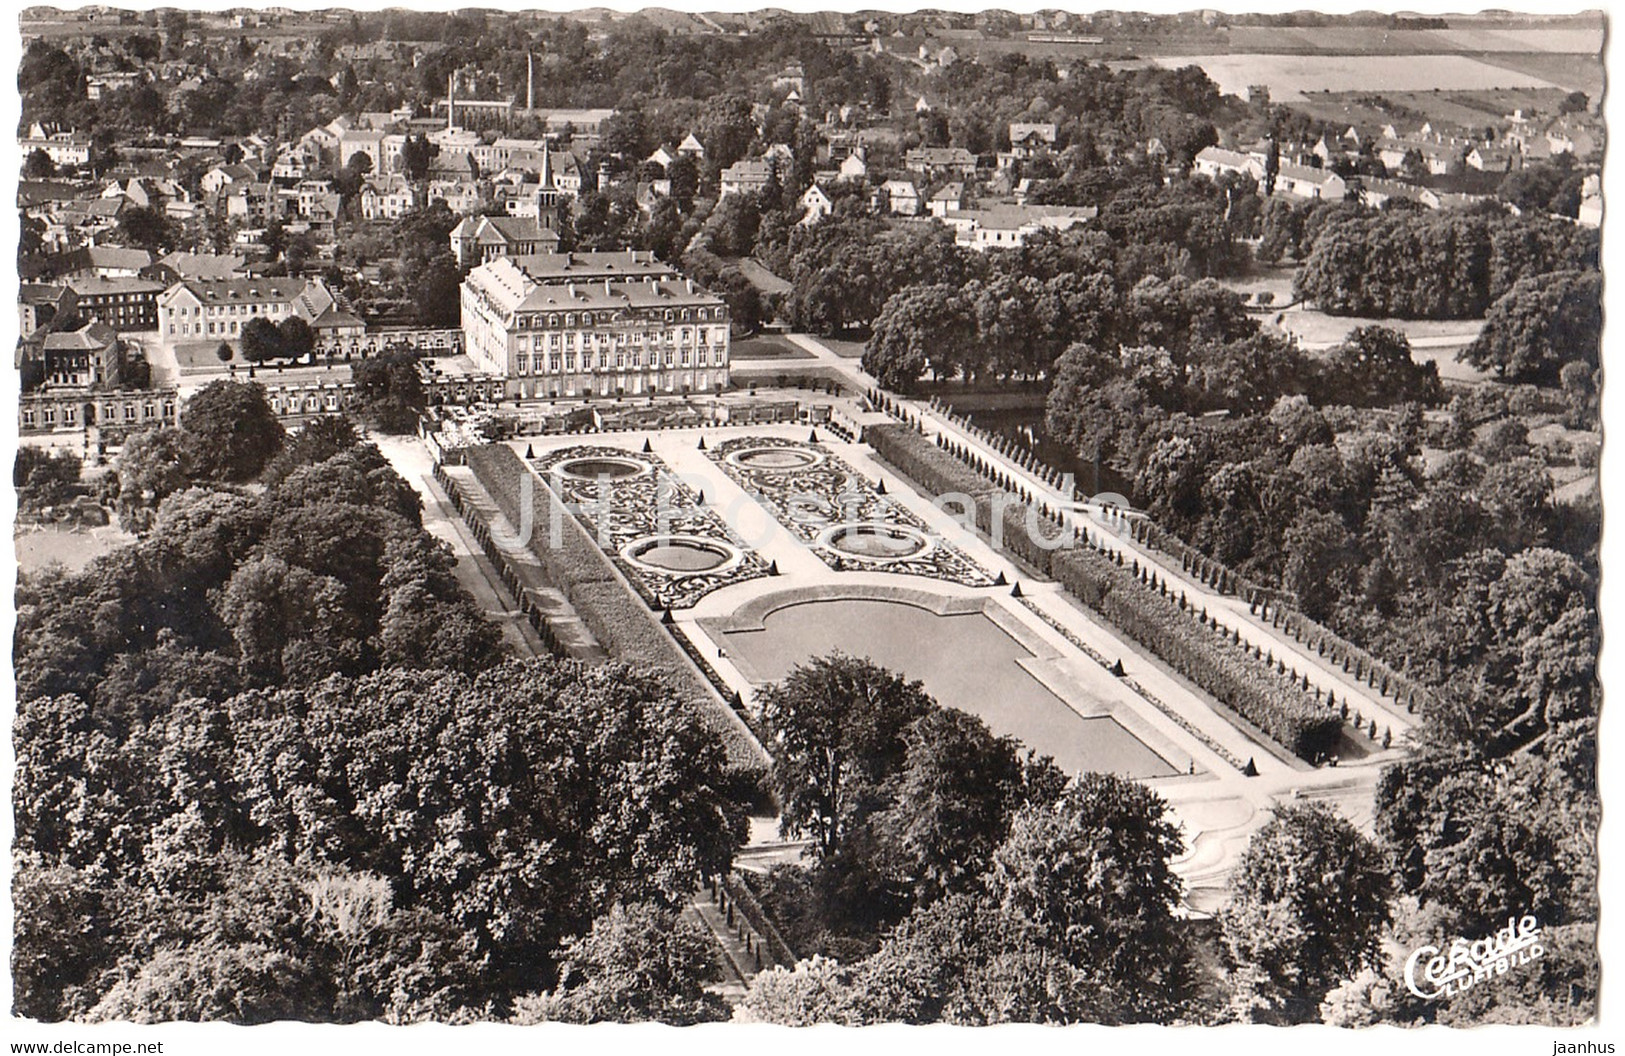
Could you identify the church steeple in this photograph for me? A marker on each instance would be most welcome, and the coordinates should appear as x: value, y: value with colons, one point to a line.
x: 547, y: 195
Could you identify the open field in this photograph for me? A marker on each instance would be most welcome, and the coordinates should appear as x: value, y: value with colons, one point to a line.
x: 1364, y: 40
x: 1318, y: 329
x: 1582, y: 71
x: 1465, y: 109
x: 760, y: 277
x: 844, y: 349
x: 1291, y: 77
x: 72, y: 548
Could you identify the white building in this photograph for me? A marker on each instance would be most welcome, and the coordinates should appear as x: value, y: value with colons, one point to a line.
x: 387, y: 197
x: 816, y: 204
x: 1305, y: 181
x: 218, y: 309
x: 63, y: 148
x: 1214, y: 162
x: 1009, y: 226
x: 593, y: 324
x: 901, y: 197
x: 748, y: 176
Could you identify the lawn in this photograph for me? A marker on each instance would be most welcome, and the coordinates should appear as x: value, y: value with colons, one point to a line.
x: 846, y: 349
x: 72, y: 548
x: 1317, y: 329
x: 764, y: 280
x: 1262, y: 278
x: 767, y: 347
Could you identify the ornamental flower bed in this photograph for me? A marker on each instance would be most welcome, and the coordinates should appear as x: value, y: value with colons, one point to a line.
x: 811, y: 499
x: 611, y: 514
x: 627, y: 630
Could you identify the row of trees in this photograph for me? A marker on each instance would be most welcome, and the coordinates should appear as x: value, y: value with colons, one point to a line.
x: 1445, y: 265
x: 263, y: 340
x: 1461, y: 567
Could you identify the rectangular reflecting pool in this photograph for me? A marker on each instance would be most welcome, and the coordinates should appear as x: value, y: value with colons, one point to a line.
x: 966, y: 661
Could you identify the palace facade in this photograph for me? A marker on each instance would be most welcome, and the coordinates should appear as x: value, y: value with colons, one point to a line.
x: 593, y: 324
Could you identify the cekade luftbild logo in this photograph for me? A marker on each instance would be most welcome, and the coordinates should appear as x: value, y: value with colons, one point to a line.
x: 1433, y: 973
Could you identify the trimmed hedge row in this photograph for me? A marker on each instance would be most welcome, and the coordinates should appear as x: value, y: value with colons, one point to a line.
x: 1271, y: 604
x: 1020, y: 521
x: 1263, y: 694
x: 930, y: 467
x: 628, y: 631
x: 569, y: 553
x: 940, y: 472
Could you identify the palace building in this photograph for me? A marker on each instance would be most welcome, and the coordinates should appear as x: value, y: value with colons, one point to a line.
x: 593, y: 324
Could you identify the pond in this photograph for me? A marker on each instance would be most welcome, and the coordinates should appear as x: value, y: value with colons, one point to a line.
x: 966, y: 661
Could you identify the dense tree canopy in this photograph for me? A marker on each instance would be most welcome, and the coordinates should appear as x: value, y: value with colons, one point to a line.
x: 327, y: 570
x: 236, y: 431
x: 1539, y: 326
x: 1442, y: 265
x: 1308, y: 904
x: 500, y: 814
x: 1072, y: 922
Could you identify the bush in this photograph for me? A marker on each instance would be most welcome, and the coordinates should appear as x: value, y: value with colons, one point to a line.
x: 570, y: 559
x: 1269, y: 699
x: 1018, y: 520
x: 1266, y: 697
